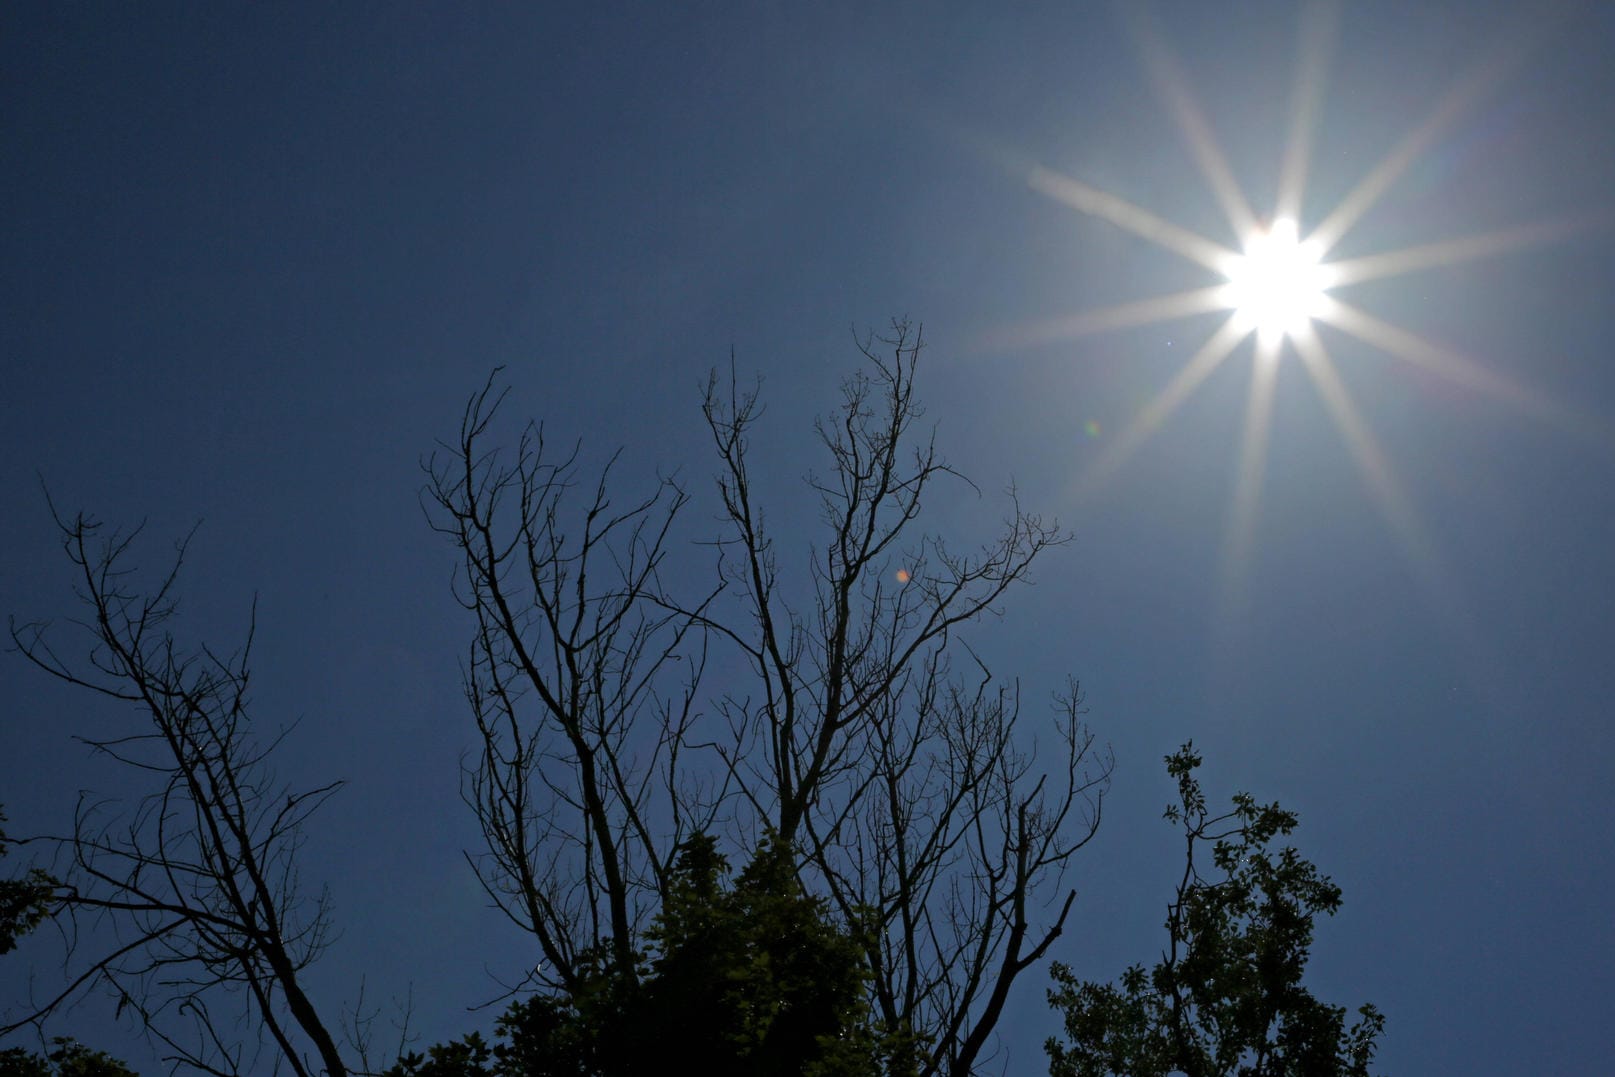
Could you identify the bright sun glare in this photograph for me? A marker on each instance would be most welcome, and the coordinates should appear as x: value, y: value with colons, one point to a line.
x: 1276, y: 287
x: 1280, y: 288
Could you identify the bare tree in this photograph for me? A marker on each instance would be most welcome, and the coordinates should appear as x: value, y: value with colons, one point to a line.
x: 582, y: 685
x: 195, y: 884
x: 864, y: 732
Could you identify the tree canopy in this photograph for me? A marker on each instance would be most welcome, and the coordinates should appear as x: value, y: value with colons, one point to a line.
x: 753, y: 977
x: 1226, y: 998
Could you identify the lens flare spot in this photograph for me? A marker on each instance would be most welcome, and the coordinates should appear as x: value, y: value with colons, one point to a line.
x: 902, y: 575
x: 1092, y: 427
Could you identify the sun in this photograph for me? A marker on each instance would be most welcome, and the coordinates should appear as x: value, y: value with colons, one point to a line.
x: 1279, y: 288
x: 1278, y: 285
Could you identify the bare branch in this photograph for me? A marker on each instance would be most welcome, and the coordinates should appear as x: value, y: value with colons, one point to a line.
x: 860, y: 728
x: 581, y: 679
x: 197, y: 881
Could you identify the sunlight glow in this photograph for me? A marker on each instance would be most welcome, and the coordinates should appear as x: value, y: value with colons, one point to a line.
x: 1280, y: 288
x: 1278, y: 285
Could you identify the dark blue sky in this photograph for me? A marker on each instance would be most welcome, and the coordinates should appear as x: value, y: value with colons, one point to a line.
x: 255, y: 257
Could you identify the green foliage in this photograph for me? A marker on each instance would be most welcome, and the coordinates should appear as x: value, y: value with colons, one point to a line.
x: 759, y: 974
x: 755, y: 978
x: 24, y: 905
x: 69, y: 1059
x: 1226, y: 998
x: 24, y: 902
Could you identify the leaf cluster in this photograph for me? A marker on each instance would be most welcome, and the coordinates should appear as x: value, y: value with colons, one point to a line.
x: 1226, y: 998
x: 752, y: 977
x: 69, y: 1058
x: 24, y: 902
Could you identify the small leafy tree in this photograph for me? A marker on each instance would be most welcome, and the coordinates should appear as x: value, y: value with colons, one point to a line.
x: 755, y: 978
x: 759, y: 975
x: 1226, y: 997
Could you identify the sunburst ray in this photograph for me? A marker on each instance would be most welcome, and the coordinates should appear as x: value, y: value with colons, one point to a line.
x: 1464, y: 249
x: 1124, y: 214
x: 1511, y: 49
x: 1167, y: 76
x: 1466, y: 372
x: 1160, y: 408
x: 1315, y: 44
x: 1161, y: 308
x: 1239, y: 538
x: 1378, y: 473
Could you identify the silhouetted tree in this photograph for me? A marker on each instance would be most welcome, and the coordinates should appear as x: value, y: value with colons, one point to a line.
x: 860, y: 731
x: 904, y: 837
x: 195, y: 884
x: 752, y: 978
x: 67, y: 1058
x: 1226, y: 997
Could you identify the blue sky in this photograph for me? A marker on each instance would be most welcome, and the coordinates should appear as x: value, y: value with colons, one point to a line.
x: 255, y: 258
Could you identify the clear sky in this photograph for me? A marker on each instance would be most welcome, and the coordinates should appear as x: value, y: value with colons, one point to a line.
x: 256, y: 256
